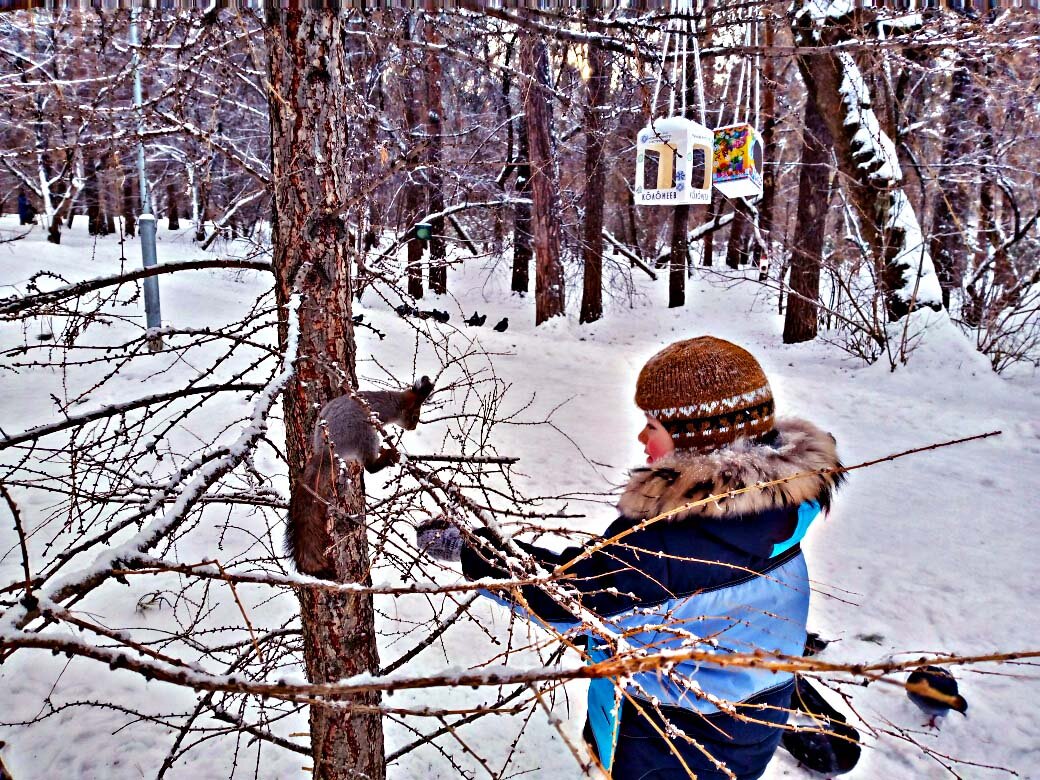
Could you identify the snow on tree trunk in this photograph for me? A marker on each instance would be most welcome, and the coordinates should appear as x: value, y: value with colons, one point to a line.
x: 548, y: 284
x: 868, y: 162
x: 311, y: 116
x: 412, y: 191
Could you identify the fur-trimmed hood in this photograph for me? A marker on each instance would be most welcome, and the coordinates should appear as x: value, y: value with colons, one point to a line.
x: 792, y: 447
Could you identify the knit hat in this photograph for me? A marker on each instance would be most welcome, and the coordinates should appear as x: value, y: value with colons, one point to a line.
x: 706, y: 392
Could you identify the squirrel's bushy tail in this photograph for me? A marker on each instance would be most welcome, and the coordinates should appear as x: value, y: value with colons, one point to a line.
x: 307, y: 540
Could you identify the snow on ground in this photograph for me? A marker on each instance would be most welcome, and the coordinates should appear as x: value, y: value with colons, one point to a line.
x: 933, y: 553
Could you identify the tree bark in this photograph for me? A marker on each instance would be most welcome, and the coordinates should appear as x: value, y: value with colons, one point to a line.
x: 679, y: 256
x: 90, y: 194
x: 801, y: 320
x: 129, y: 204
x: 598, y: 84
x: 737, y: 248
x: 172, y: 207
x: 770, y: 154
x: 313, y: 177
x: 549, y: 285
x: 949, y: 234
x: 523, y: 250
x: 412, y: 191
x: 869, y: 166
x: 434, y: 132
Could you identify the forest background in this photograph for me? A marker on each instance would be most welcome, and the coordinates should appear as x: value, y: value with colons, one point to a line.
x: 305, y: 155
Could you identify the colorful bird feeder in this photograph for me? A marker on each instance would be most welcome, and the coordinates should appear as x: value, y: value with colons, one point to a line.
x: 738, y: 161
x: 673, y: 163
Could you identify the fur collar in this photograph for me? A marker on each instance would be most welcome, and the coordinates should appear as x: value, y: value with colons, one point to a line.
x: 793, y: 446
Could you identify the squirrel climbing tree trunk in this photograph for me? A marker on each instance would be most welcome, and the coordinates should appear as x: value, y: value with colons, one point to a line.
x: 314, y: 173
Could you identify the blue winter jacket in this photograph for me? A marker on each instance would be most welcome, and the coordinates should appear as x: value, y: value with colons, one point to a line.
x: 727, y: 576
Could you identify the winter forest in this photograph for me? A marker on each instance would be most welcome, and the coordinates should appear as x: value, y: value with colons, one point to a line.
x: 321, y: 329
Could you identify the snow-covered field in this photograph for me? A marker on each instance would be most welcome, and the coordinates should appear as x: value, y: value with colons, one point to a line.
x: 937, y: 552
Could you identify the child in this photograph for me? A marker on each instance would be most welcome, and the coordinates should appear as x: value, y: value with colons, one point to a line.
x: 726, y: 576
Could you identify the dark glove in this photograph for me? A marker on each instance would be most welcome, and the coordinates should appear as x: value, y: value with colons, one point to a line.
x: 439, y: 539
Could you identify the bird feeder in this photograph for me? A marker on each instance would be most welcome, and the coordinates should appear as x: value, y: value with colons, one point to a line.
x: 737, y: 161
x: 673, y: 163
x: 423, y: 231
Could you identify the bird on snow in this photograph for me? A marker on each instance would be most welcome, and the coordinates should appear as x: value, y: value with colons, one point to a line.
x: 440, y: 316
x: 827, y: 746
x: 476, y: 319
x: 406, y: 311
x: 934, y: 690
x: 825, y: 742
x: 814, y: 644
x: 501, y: 327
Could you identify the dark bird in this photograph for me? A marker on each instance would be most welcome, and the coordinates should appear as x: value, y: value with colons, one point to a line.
x: 814, y: 644
x: 406, y: 311
x: 476, y: 319
x: 825, y: 742
x: 423, y: 315
x: 501, y: 327
x: 357, y: 319
x: 934, y: 690
x: 440, y: 316
x: 827, y: 746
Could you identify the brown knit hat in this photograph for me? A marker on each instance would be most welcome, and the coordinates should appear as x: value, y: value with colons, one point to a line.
x: 706, y: 392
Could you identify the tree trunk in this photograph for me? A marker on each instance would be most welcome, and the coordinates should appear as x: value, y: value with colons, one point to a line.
x: 680, y: 254
x: 737, y: 248
x: 523, y: 250
x: 129, y: 204
x: 172, y: 207
x: 949, y: 234
x: 801, y: 321
x: 770, y: 153
x: 549, y: 286
x: 595, y: 184
x: 434, y: 131
x: 870, y: 170
x: 313, y: 180
x: 412, y: 191
x: 90, y: 194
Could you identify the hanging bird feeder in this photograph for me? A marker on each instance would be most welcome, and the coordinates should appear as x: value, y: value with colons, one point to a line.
x: 423, y: 231
x: 738, y: 161
x: 673, y: 163
x: 738, y: 158
x: 674, y: 153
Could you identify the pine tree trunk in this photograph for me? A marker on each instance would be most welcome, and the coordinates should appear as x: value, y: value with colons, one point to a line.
x: 313, y: 180
x: 595, y: 184
x: 523, y: 249
x: 549, y: 286
x: 434, y: 131
x: 801, y: 321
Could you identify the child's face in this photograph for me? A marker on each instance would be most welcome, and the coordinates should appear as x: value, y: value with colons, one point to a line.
x: 656, y: 441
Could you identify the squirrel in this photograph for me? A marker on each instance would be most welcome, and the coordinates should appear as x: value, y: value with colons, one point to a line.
x: 344, y: 428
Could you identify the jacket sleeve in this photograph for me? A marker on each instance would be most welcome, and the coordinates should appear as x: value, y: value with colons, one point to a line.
x: 603, y: 582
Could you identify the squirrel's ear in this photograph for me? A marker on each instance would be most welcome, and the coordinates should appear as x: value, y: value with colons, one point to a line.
x: 423, y: 386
